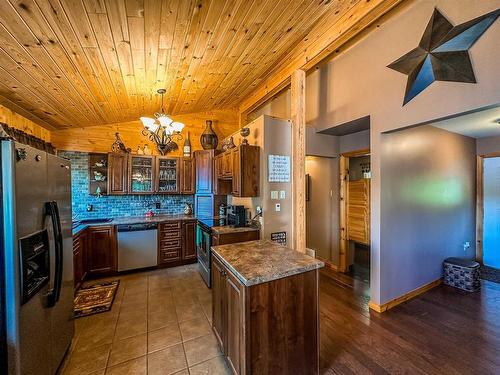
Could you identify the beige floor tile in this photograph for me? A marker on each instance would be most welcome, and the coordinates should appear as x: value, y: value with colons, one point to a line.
x: 164, y: 337
x: 130, y: 314
x: 201, y: 349
x: 127, y: 349
x: 214, y: 366
x: 182, y: 372
x: 95, y: 337
x: 187, y: 312
x: 167, y: 361
x: 136, y: 366
x: 129, y: 328
x: 88, y: 361
x: 157, y: 320
x: 191, y: 329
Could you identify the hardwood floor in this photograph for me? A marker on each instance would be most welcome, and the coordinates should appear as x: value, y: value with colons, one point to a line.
x: 444, y: 331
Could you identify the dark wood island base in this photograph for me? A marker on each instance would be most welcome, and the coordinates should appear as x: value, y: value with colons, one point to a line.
x: 266, y: 324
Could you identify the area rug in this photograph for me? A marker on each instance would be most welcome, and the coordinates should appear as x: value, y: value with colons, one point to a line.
x: 96, y: 298
x: 490, y: 274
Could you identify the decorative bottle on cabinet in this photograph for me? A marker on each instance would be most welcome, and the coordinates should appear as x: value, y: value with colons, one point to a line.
x: 187, y: 147
x: 208, y: 139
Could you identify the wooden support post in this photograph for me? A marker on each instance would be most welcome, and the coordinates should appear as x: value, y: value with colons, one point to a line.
x: 298, y: 112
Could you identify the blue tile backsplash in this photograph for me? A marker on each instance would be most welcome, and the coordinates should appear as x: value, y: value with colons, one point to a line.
x: 114, y: 205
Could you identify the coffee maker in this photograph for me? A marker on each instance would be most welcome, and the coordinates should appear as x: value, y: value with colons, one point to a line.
x: 236, y: 215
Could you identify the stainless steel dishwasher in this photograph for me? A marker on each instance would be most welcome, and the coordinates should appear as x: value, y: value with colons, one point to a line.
x: 137, y: 246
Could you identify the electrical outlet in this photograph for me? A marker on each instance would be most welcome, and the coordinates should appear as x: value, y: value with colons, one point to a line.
x: 274, y: 194
x: 282, y: 194
x: 466, y: 245
x: 158, y: 205
x: 278, y: 207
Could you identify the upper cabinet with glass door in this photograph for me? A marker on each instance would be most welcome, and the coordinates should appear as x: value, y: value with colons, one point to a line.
x: 141, y: 174
x: 167, y: 175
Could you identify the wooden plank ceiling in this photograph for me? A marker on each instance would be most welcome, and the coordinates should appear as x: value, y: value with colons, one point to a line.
x: 77, y: 63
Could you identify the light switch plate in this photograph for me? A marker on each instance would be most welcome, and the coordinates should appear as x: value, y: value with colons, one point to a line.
x: 282, y: 194
x: 278, y: 207
x: 274, y: 194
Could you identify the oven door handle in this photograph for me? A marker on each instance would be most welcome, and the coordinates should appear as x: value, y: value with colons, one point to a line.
x: 52, y: 210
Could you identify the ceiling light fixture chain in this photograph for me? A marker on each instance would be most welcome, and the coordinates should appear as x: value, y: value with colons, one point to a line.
x: 162, y: 130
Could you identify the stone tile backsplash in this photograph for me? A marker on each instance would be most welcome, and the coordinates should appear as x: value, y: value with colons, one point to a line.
x: 115, y: 205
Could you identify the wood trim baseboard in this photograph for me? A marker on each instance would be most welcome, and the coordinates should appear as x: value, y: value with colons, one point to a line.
x: 405, y: 297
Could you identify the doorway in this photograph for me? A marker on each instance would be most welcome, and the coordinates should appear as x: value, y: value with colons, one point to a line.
x: 355, y: 178
x: 488, y: 211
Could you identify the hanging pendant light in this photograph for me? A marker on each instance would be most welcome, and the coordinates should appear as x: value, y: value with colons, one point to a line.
x: 162, y: 130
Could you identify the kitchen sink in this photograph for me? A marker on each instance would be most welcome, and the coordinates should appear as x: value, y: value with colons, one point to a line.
x: 95, y: 221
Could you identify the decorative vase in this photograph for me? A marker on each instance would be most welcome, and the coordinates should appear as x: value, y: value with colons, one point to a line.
x: 188, y: 210
x: 209, y: 139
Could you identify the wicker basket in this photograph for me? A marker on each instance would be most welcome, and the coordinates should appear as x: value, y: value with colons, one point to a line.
x: 462, y: 273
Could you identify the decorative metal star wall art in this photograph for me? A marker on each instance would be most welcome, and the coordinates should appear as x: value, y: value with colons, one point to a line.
x: 442, y: 54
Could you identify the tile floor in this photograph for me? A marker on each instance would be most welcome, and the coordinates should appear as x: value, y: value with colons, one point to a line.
x: 160, y: 323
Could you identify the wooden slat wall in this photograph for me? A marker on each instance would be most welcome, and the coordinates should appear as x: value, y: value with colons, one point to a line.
x: 19, y: 122
x: 99, y: 138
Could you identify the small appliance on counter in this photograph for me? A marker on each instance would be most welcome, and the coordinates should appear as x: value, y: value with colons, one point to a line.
x: 236, y: 215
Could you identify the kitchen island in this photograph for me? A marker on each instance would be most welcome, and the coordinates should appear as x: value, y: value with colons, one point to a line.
x: 266, y: 308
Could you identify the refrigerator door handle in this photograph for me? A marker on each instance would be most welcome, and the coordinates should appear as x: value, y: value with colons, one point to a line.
x: 52, y: 210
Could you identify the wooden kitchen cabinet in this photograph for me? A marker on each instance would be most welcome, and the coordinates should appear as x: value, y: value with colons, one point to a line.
x: 204, y: 160
x: 102, y: 256
x: 80, y: 250
x: 167, y: 175
x: 117, y: 173
x: 176, y: 242
x: 141, y: 174
x: 242, y: 319
x: 235, y: 156
x: 227, y: 165
x: 218, y: 165
x: 188, y: 176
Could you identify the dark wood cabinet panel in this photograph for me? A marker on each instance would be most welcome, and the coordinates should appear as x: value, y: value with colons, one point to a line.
x: 236, y: 174
x: 188, y: 176
x: 234, y: 322
x: 189, y: 240
x: 117, y: 173
x: 102, y: 250
x: 227, y: 238
x: 218, y: 301
x: 227, y: 165
x: 204, y: 160
x: 80, y: 258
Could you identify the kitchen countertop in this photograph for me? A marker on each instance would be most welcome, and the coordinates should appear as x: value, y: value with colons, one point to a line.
x: 232, y: 229
x: 126, y: 220
x: 257, y: 262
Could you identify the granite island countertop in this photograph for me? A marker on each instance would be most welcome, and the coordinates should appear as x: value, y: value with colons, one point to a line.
x: 127, y: 220
x: 257, y: 262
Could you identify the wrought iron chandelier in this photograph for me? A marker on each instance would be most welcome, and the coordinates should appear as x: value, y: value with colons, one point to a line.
x: 162, y: 129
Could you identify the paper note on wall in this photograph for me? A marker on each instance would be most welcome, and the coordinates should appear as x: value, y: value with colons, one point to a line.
x: 279, y: 168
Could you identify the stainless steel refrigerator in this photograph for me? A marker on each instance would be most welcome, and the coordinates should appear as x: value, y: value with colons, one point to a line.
x: 37, y: 259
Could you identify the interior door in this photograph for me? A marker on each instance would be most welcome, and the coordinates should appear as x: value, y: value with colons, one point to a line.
x: 491, y: 229
x: 62, y: 322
